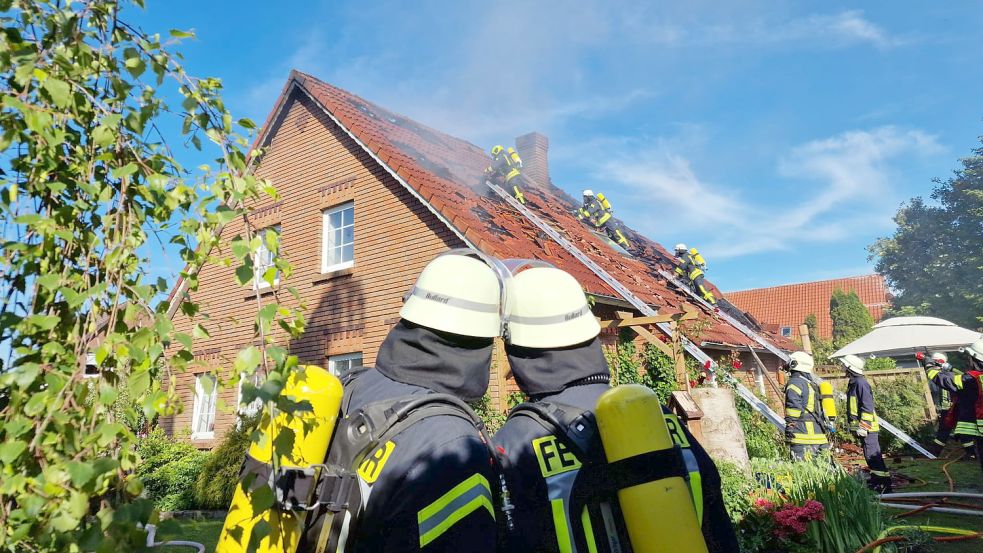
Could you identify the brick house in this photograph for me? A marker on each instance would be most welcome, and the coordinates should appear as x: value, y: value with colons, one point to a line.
x: 786, y: 307
x: 368, y: 197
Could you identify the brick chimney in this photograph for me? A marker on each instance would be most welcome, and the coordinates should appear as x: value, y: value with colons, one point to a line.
x: 534, y: 148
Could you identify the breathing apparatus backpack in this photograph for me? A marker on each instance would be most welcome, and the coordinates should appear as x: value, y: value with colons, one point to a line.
x: 592, y: 492
x: 323, y: 502
x: 357, y: 455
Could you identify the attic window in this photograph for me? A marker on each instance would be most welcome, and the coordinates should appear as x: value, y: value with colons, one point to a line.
x: 786, y: 332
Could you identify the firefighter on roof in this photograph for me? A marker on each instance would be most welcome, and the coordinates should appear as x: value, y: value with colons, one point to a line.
x: 505, y: 170
x: 690, y: 265
x: 597, y: 211
x: 862, y: 421
x: 805, y: 421
x: 552, y: 440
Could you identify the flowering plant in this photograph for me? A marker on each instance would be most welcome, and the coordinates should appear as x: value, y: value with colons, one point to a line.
x: 780, y: 527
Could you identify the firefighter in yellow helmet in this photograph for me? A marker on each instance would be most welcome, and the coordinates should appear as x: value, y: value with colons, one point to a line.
x: 690, y: 265
x: 556, y: 456
x: 597, y: 212
x: 505, y: 170
x: 861, y: 418
x: 805, y: 421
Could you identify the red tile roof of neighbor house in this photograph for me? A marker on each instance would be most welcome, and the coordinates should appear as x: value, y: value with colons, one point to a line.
x: 447, y: 173
x: 788, y: 305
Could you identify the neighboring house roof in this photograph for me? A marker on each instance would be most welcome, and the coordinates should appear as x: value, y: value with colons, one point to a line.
x: 789, y: 305
x: 447, y: 175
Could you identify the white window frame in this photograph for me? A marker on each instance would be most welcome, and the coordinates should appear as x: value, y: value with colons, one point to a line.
x: 783, y: 330
x: 327, y: 240
x: 204, y: 406
x: 333, y: 362
x: 269, y: 259
x: 256, y: 405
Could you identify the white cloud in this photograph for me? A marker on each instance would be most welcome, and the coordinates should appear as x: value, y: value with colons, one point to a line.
x: 827, y: 191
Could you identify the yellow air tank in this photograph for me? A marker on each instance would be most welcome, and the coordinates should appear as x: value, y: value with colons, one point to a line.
x: 312, y: 430
x: 829, y: 404
x: 660, y: 515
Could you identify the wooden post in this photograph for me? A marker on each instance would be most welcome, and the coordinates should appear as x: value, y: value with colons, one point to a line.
x: 679, y: 361
x: 806, y: 342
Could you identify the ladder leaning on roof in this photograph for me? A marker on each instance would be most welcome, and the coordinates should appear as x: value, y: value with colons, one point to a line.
x: 637, y: 302
x: 746, y: 394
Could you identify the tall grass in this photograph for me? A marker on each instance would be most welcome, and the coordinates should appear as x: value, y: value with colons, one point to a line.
x: 853, y: 517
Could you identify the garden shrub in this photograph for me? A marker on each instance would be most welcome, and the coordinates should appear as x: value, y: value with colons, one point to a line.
x: 737, y: 488
x: 493, y: 418
x: 763, y: 440
x: 880, y: 364
x: 650, y: 367
x: 220, y: 475
x: 852, y: 517
x: 902, y: 402
x: 169, y: 470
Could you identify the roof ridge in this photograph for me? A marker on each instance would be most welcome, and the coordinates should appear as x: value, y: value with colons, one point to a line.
x: 823, y: 281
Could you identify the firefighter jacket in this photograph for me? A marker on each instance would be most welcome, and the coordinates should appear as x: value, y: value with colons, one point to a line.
x: 434, y: 485
x: 967, y: 408
x: 596, y: 210
x: 505, y: 166
x: 690, y: 267
x: 805, y: 422
x: 543, y: 468
x: 860, y: 412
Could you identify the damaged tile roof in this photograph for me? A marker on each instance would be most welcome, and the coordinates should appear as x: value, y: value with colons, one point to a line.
x: 790, y: 304
x: 447, y: 173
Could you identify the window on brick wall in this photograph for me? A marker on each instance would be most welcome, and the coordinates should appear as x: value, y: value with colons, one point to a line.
x: 786, y: 331
x: 340, y: 364
x: 338, y: 242
x: 265, y: 259
x: 203, y: 415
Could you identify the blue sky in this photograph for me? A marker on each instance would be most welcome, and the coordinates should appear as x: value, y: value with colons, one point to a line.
x: 778, y: 137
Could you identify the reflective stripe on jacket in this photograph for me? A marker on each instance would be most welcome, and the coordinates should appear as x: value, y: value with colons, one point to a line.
x: 805, y: 422
x: 860, y: 412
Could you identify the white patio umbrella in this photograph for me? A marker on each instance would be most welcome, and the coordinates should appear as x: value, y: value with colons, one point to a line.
x: 906, y: 335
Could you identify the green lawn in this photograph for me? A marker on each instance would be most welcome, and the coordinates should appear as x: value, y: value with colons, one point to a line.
x: 202, y: 531
x: 967, y: 478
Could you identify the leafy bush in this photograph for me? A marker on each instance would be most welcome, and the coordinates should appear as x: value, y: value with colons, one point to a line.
x: 737, y: 488
x: 902, y: 401
x: 493, y: 418
x: 220, y: 475
x: 169, y: 470
x: 880, y: 364
x: 515, y: 398
x: 763, y: 440
x: 852, y: 515
x: 650, y: 367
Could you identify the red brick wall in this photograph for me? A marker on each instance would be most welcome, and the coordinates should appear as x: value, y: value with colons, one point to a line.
x: 315, y: 165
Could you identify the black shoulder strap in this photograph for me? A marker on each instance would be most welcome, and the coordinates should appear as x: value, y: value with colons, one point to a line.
x: 574, y: 425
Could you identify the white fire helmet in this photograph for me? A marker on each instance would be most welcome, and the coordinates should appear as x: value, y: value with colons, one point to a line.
x: 549, y: 310
x: 939, y: 358
x: 680, y: 247
x: 853, y: 364
x: 456, y: 293
x: 974, y: 350
x: 800, y: 361
x: 588, y: 193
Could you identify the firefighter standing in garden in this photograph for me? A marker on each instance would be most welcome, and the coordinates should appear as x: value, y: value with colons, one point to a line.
x: 552, y: 440
x: 805, y: 421
x: 964, y: 388
x: 862, y: 420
